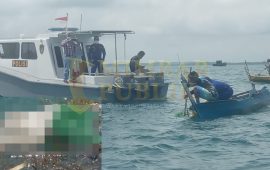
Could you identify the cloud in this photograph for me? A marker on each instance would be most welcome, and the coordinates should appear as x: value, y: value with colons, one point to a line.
x: 77, y: 4
x: 163, y: 28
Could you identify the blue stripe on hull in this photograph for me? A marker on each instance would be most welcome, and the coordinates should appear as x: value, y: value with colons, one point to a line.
x: 211, y: 110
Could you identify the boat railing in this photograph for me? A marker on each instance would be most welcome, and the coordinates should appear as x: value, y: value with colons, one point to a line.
x: 111, y: 74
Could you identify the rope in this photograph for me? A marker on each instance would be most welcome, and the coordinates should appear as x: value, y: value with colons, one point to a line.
x: 18, y: 167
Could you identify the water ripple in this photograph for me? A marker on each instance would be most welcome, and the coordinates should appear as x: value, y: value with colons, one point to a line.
x: 151, y: 136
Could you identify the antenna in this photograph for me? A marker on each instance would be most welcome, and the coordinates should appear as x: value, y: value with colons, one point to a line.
x: 81, y: 24
x: 125, y: 38
x: 115, y: 41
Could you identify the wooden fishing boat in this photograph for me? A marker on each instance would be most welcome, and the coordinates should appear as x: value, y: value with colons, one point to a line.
x: 259, y: 78
x: 133, y: 88
x: 34, y: 67
x: 219, y: 63
x: 264, y: 78
x: 245, y: 102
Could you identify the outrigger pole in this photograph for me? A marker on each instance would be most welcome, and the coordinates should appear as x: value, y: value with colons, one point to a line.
x: 185, y: 110
x: 248, y: 74
x: 184, y: 83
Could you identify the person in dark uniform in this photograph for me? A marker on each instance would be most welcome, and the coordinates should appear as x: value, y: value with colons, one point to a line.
x: 96, y: 56
x: 208, y: 89
x: 134, y: 63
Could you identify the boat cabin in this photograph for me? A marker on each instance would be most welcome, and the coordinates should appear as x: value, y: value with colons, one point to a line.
x: 42, y: 58
x: 219, y: 63
x: 35, y: 67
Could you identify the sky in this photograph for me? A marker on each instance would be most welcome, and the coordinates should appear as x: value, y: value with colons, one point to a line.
x: 194, y: 30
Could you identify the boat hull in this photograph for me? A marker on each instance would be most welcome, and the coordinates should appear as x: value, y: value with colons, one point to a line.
x: 246, y: 104
x: 11, y: 86
x: 153, y: 92
x: 224, y: 64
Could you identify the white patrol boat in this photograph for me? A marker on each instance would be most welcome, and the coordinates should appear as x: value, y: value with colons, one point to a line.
x: 34, y: 67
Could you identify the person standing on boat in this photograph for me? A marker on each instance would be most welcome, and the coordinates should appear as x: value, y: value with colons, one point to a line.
x: 134, y: 63
x: 70, y: 54
x: 96, y: 56
x: 267, y: 66
x: 208, y: 89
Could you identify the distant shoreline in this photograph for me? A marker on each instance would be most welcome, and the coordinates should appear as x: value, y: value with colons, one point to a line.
x: 189, y: 63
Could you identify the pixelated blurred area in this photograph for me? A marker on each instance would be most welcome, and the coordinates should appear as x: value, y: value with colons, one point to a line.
x: 35, y: 135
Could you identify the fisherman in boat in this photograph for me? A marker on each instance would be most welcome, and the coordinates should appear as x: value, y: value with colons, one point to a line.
x: 134, y: 63
x: 208, y: 89
x: 96, y: 56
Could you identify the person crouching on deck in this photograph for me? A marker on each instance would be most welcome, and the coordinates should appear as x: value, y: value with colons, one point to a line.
x: 208, y: 89
x: 134, y: 63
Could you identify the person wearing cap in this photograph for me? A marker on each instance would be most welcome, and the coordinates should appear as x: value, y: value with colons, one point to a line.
x: 96, y: 56
x: 208, y: 89
x: 134, y: 63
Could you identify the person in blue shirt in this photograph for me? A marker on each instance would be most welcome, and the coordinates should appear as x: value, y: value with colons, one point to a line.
x: 96, y: 56
x: 208, y: 89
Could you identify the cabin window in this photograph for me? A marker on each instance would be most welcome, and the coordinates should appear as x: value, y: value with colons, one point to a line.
x: 29, y: 51
x: 9, y: 50
x: 58, y: 55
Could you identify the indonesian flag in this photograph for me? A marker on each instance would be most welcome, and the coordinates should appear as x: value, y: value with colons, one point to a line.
x: 62, y: 18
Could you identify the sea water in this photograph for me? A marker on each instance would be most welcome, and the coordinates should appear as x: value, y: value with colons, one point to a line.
x: 157, y: 136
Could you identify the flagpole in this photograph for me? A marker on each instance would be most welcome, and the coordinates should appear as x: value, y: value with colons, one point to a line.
x: 115, y: 41
x: 66, y: 24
